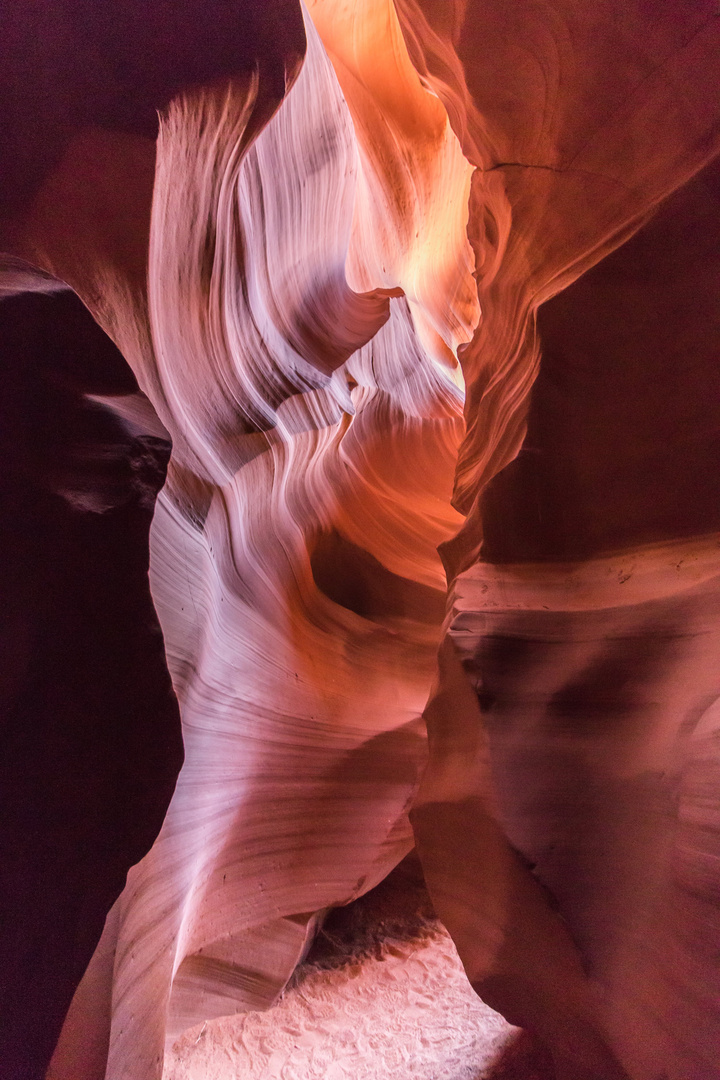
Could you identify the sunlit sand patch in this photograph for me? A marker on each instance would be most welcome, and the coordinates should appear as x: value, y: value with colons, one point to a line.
x: 406, y: 1013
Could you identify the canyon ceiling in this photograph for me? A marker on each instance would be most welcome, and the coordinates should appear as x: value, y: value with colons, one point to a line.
x: 360, y: 419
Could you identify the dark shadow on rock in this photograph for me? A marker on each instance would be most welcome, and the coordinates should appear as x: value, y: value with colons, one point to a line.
x: 90, y: 738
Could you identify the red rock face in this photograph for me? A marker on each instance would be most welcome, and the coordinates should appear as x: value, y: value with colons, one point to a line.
x: 450, y: 284
x: 585, y: 751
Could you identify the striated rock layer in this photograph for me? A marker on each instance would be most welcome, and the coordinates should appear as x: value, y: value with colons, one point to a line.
x: 294, y: 562
x: 90, y: 726
x: 578, y: 729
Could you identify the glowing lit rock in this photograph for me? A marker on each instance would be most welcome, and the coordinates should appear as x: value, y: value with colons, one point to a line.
x: 294, y: 561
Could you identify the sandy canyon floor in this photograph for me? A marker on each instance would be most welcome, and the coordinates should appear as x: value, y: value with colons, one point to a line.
x: 381, y: 996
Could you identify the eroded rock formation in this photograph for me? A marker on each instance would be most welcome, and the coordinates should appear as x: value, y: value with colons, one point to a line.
x: 449, y: 283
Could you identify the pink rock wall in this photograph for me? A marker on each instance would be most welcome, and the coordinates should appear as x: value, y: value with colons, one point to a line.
x: 301, y: 715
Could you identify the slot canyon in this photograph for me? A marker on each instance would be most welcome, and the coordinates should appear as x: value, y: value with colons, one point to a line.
x: 360, y: 563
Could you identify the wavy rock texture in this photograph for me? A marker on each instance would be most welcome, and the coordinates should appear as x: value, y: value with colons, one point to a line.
x: 294, y: 562
x: 91, y: 730
x: 411, y: 205
x: 580, y: 124
x: 573, y: 730
x: 599, y: 687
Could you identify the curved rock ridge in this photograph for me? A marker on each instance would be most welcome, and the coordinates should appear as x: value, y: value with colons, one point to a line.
x: 598, y: 686
x: 580, y: 125
x: 566, y: 823
x: 91, y: 730
x: 411, y: 208
x: 294, y: 559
